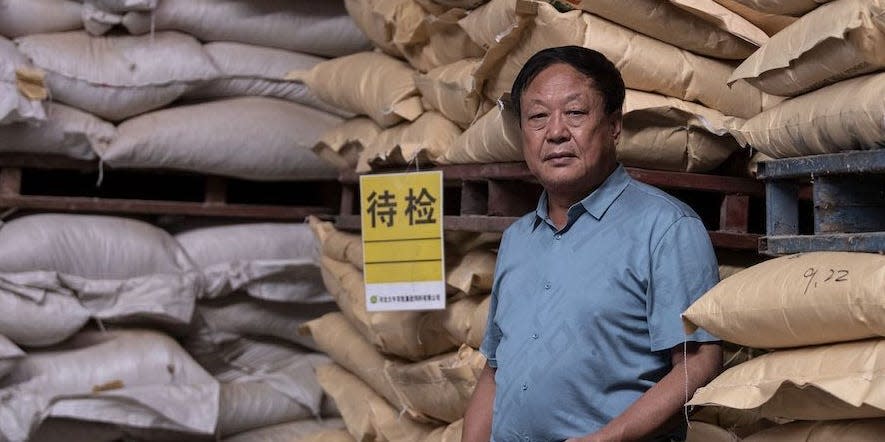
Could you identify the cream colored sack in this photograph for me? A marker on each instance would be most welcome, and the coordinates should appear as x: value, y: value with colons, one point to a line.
x: 439, y: 387
x: 770, y: 23
x: 840, y: 381
x: 472, y: 273
x: 378, y: 20
x: 839, y: 40
x: 342, y: 144
x: 785, y: 7
x: 321, y: 28
x: 798, y: 300
x: 337, y: 245
x: 847, y: 115
x: 493, y: 138
x: 646, y: 64
x: 296, y: 431
x: 464, y: 320
x: 421, y: 142
x: 404, y: 334
x: 66, y: 131
x: 25, y: 17
x: 435, y: 40
x: 327, y: 436
x: 704, y: 432
x: 368, y: 416
x: 860, y: 430
x: 367, y: 83
x: 451, y: 90
x: 448, y: 433
x: 253, y: 138
x: 667, y: 21
x: 741, y: 423
x: 118, y: 77
x: 247, y: 70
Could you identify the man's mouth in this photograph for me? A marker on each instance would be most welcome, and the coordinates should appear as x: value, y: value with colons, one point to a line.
x: 553, y: 156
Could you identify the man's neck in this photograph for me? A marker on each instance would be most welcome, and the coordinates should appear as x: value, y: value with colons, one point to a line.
x: 559, y: 201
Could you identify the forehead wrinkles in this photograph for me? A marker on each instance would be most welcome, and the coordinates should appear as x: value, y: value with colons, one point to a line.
x: 561, y: 84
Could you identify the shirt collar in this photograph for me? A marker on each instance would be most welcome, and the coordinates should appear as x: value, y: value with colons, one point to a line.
x: 598, y: 202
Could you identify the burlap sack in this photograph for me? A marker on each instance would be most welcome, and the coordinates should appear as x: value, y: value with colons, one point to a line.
x: 493, y: 138
x: 464, y: 320
x: 797, y: 300
x: 839, y: 40
x: 405, y: 334
x: 118, y: 77
x: 338, y: 338
x: 143, y: 380
x: 839, y: 381
x: 669, y: 22
x: 439, y: 387
x: 58, y: 271
x: 472, y: 273
x: 786, y: 7
x: 645, y: 63
x: 770, y: 23
x: 368, y: 83
x: 327, y: 436
x: 367, y: 416
x: 844, y: 116
x: 25, y: 17
x: 337, y: 245
x: 10, y: 354
x: 254, y: 138
x: 451, y: 90
x: 247, y: 70
x: 342, y: 144
x: 704, y: 432
x: 66, y: 131
x: 320, y: 28
x: 297, y: 431
x: 419, y: 142
x: 22, y: 87
x: 861, y: 430
x: 670, y: 134
x: 272, y: 261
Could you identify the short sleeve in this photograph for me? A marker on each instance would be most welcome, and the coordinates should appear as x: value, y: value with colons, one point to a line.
x: 683, y: 268
x: 492, y: 336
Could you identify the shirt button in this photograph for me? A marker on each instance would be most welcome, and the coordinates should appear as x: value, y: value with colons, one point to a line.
x: 547, y: 286
x: 534, y: 336
x: 525, y: 387
x: 557, y: 237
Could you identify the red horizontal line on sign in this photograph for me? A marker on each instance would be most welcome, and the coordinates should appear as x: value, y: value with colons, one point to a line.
x: 400, y: 239
x: 399, y: 262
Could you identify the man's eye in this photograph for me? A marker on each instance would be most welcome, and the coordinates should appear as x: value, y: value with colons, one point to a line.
x: 577, y: 112
x: 537, y: 116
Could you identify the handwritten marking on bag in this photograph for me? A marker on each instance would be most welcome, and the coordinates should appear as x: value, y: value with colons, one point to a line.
x: 833, y: 276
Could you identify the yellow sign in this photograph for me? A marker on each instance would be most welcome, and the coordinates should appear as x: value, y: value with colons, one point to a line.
x: 402, y: 241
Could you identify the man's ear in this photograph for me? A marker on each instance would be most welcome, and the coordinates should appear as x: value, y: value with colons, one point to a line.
x: 615, y: 123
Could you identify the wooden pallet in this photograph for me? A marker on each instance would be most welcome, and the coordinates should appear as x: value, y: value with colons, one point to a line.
x: 46, y: 183
x: 848, y: 197
x: 490, y: 197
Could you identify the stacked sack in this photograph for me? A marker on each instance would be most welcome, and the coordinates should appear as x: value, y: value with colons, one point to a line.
x: 403, y: 376
x: 822, y: 314
x: 190, y: 85
x: 232, y: 295
x: 829, y: 63
x: 678, y: 113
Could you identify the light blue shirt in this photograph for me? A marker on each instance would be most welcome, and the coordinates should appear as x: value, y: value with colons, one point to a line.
x: 582, y: 319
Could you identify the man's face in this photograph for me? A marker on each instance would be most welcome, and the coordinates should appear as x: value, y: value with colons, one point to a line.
x: 568, y: 141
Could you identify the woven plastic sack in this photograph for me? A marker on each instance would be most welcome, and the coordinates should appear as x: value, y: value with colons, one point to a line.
x: 451, y: 90
x: 797, y: 300
x: 99, y: 16
x: 66, y: 132
x: 828, y: 382
x: 138, y: 379
x: 669, y: 22
x: 860, y: 430
x: 785, y: 7
x: 21, y: 86
x: 368, y: 83
x: 10, y: 355
x: 254, y: 138
x: 248, y: 70
x: 422, y: 141
x: 300, y: 431
x: 272, y: 261
x: 839, y: 40
x: 118, y: 77
x: 24, y: 17
x: 58, y: 271
x: 848, y: 115
x: 320, y: 28
x: 342, y: 144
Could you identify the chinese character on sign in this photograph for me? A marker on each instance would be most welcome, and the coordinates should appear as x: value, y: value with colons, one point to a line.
x: 382, y: 207
x: 420, y: 208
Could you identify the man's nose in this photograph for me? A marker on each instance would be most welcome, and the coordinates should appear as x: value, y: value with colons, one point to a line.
x: 557, y: 129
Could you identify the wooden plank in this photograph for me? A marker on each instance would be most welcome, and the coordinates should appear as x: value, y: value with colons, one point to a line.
x: 734, y: 240
x: 849, y: 204
x: 10, y: 181
x: 348, y: 192
x: 512, y: 198
x: 782, y: 208
x: 734, y: 213
x: 850, y: 162
x: 86, y: 204
x: 847, y: 242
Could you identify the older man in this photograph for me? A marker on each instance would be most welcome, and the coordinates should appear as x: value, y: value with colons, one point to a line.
x: 584, y: 340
